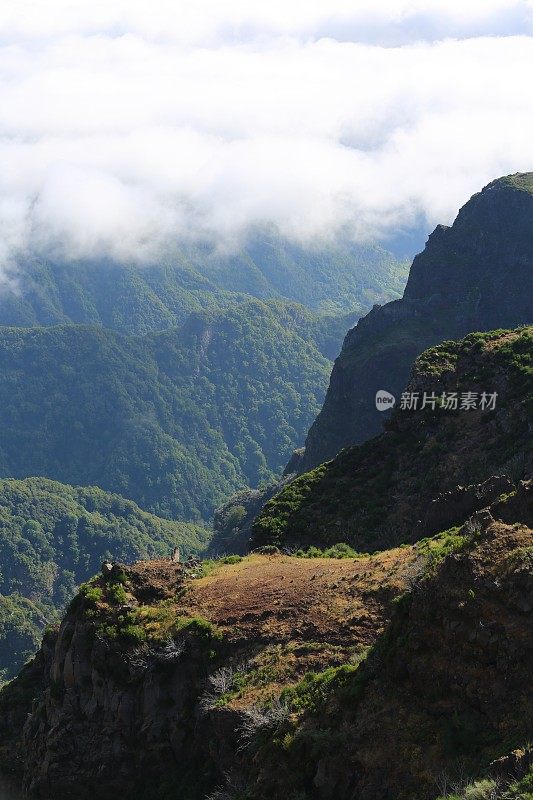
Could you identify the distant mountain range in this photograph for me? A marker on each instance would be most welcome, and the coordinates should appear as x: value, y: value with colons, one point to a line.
x: 333, y: 279
x: 177, y: 420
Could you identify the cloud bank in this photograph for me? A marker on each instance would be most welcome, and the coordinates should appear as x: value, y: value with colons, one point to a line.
x: 128, y: 126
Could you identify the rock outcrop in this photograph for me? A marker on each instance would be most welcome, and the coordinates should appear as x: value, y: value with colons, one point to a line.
x: 473, y: 276
x: 274, y: 677
x: 143, y: 689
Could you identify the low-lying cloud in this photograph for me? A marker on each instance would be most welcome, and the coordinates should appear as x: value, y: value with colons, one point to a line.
x: 128, y: 126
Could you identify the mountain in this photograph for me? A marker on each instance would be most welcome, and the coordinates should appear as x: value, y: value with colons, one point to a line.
x: 432, y: 466
x: 275, y: 676
x: 177, y: 420
x: 333, y: 279
x: 55, y: 536
x: 321, y: 674
x: 475, y: 275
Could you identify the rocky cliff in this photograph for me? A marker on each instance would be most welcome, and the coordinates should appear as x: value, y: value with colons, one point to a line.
x: 281, y: 677
x: 433, y: 465
x: 475, y: 275
x: 143, y: 691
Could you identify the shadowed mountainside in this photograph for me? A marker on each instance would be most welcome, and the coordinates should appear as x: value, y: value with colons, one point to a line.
x: 473, y: 276
x: 432, y: 465
x: 176, y: 421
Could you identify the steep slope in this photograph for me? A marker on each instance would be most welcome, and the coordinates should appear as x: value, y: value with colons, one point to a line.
x: 176, y: 421
x: 254, y: 619
x: 476, y: 275
x: 316, y: 679
x: 444, y: 698
x: 432, y: 465
x: 52, y: 537
x: 332, y: 279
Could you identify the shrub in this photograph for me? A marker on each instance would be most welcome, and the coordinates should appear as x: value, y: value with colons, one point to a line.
x: 316, y: 688
x: 200, y: 626
x: 118, y: 593
x: 91, y: 594
x: 233, y: 559
x: 257, y: 720
x: 133, y: 634
x: 221, y: 684
x: 341, y: 550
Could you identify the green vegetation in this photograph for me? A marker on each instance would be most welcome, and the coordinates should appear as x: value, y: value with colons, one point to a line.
x: 495, y: 789
x: 436, y: 548
x: 54, y: 536
x: 316, y: 690
x: 520, y: 180
x: 176, y: 421
x: 335, y: 279
x: 233, y: 559
x: 340, y: 550
x: 379, y: 494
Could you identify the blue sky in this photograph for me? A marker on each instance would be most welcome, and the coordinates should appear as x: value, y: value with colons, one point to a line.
x: 125, y: 126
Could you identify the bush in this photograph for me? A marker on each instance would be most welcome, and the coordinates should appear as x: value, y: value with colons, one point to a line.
x: 482, y: 790
x: 200, y: 626
x: 317, y: 688
x: 133, y: 634
x: 118, y: 594
x: 91, y: 594
x: 257, y: 720
x: 339, y: 550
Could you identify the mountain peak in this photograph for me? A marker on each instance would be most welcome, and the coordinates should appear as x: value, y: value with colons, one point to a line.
x: 472, y: 276
x: 522, y: 181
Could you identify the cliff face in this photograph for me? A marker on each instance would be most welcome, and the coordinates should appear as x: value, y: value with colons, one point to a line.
x: 476, y: 275
x: 444, y: 695
x: 432, y: 466
x: 274, y: 677
x: 143, y: 690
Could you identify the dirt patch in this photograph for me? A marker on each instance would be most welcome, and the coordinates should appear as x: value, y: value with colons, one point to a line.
x: 156, y: 580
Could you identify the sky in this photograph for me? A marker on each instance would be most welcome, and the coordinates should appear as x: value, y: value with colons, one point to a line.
x: 127, y: 126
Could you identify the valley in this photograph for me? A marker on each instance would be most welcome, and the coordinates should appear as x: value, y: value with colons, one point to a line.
x: 372, y: 638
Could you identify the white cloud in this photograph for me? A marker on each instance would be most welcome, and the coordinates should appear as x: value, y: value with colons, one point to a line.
x: 127, y: 125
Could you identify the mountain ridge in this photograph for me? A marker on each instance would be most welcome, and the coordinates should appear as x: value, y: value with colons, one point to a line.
x: 54, y: 536
x: 392, y: 488
x: 331, y: 279
x: 475, y: 275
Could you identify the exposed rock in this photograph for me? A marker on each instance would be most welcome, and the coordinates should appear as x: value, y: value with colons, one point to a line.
x: 474, y: 276
x: 95, y: 716
x: 462, y: 502
x: 98, y: 714
x: 107, y: 568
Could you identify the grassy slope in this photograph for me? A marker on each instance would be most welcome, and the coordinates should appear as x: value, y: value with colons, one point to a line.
x: 326, y: 674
